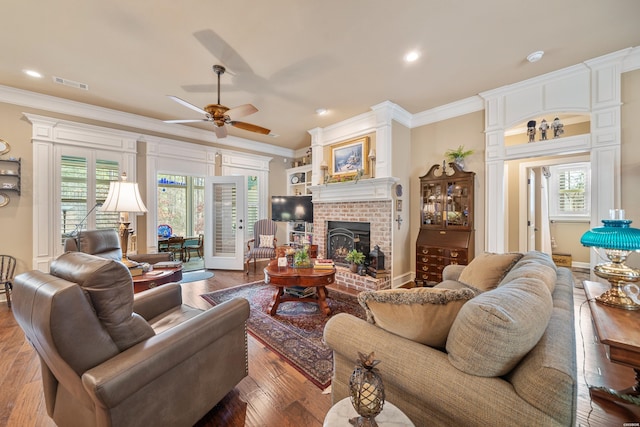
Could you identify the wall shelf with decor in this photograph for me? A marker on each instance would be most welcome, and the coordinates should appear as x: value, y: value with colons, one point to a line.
x: 10, y: 175
x: 299, y: 180
x: 300, y: 233
x: 446, y: 222
x: 298, y: 184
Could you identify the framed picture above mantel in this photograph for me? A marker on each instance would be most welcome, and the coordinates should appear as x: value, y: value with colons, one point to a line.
x: 347, y: 158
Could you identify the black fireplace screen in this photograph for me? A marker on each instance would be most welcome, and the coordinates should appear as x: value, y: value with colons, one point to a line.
x: 343, y: 236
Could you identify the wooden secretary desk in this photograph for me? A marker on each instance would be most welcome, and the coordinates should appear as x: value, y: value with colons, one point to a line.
x: 446, y: 222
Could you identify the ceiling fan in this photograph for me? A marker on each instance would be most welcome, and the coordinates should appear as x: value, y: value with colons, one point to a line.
x: 221, y: 115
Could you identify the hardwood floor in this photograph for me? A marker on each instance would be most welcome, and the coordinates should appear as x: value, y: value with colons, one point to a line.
x: 275, y: 394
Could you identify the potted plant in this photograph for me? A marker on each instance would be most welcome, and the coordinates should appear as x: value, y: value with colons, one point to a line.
x: 458, y: 155
x: 301, y: 257
x: 355, y: 257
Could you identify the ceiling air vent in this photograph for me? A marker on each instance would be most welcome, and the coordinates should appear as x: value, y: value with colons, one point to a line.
x: 70, y: 83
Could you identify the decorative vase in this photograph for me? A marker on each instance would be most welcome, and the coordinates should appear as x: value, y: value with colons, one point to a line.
x: 354, y: 267
x: 367, y: 391
x: 460, y: 162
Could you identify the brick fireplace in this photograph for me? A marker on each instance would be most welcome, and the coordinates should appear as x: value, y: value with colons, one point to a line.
x: 365, y: 201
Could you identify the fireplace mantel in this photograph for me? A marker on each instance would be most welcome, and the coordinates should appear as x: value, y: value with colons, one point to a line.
x: 363, y: 190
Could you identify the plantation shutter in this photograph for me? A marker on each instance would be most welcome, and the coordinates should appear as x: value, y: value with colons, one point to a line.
x: 252, y: 204
x: 75, y: 192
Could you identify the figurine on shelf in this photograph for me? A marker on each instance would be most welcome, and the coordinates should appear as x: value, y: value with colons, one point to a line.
x: 543, y: 129
x: 531, y: 130
x: 557, y: 128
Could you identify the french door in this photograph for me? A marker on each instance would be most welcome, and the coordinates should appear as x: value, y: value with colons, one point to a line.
x: 225, y: 213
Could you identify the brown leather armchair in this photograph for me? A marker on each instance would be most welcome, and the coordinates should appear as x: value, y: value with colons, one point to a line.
x: 112, y: 358
x: 105, y: 243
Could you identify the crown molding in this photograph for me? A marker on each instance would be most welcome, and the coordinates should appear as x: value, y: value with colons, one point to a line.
x: 632, y: 61
x: 448, y: 111
x: 54, y: 104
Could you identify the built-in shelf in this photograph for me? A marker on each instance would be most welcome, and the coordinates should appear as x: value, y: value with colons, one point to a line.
x: 10, y: 175
x: 298, y: 184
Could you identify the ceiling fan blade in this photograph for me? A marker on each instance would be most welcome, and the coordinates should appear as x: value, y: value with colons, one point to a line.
x: 221, y: 131
x: 186, y: 120
x: 188, y: 105
x: 250, y: 127
x: 241, y: 111
x: 220, y: 49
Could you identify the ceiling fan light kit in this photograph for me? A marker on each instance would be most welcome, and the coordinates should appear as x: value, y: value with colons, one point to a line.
x: 221, y: 115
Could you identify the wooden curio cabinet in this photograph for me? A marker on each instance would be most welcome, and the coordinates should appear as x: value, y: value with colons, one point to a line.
x: 446, y: 222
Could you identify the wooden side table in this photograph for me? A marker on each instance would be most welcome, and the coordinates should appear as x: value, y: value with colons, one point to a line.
x: 340, y: 414
x: 618, y: 329
x: 156, y: 277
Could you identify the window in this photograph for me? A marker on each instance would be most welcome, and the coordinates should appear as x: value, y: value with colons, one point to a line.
x: 181, y: 204
x: 569, y: 192
x: 82, y: 186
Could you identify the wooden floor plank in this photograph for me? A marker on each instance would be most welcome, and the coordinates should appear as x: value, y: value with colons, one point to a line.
x: 275, y: 394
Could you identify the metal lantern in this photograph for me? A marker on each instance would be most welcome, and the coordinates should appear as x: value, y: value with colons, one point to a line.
x: 376, y: 262
x: 367, y: 391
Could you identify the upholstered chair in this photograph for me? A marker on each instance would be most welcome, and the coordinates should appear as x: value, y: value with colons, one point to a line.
x: 112, y: 358
x: 264, y: 242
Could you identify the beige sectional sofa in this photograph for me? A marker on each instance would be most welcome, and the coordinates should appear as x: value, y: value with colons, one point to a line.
x: 502, y: 351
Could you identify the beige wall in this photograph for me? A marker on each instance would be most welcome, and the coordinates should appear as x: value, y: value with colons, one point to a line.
x: 630, y: 157
x: 428, y: 145
x: 402, y: 153
x: 16, y: 217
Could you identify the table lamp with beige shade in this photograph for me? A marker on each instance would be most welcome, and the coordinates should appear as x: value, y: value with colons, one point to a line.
x: 124, y: 197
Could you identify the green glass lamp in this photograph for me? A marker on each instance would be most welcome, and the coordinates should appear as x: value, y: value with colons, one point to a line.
x: 617, y: 240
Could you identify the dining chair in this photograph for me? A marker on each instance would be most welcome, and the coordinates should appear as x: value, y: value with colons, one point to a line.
x: 175, y: 245
x: 7, y: 268
x: 197, y: 246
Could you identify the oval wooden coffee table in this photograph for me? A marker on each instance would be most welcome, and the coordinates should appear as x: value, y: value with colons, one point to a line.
x: 286, y: 277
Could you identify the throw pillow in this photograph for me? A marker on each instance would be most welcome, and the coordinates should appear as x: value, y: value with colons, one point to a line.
x: 534, y: 264
x: 487, y: 270
x: 422, y: 315
x: 496, y: 329
x: 266, y: 241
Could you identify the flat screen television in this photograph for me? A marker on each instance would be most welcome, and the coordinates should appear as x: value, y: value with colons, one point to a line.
x: 291, y: 208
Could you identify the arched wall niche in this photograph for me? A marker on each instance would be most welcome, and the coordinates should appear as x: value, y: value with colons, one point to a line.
x: 592, y: 90
x: 550, y: 126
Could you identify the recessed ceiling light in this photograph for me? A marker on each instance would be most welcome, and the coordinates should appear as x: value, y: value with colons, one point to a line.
x: 33, y: 73
x: 321, y: 111
x: 411, y: 56
x: 535, y: 56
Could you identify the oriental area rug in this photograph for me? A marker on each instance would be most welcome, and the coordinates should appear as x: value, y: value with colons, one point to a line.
x: 295, y: 331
